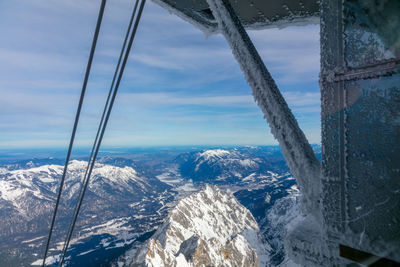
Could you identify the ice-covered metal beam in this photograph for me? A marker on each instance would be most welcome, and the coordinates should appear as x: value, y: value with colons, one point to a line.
x: 259, y: 14
x: 295, y: 147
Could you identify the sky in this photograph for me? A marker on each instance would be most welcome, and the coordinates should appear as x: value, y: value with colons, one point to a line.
x: 180, y: 86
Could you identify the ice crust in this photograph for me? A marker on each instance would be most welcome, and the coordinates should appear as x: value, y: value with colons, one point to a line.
x: 294, y: 19
x: 284, y: 127
x: 207, y: 30
x: 359, y: 86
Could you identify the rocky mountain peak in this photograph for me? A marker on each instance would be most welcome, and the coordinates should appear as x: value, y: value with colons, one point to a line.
x: 207, y: 228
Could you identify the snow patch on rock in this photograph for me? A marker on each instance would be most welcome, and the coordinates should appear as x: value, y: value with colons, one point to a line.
x: 207, y: 228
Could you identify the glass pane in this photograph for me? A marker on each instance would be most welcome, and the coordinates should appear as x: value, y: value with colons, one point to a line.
x: 372, y: 132
x: 371, y: 31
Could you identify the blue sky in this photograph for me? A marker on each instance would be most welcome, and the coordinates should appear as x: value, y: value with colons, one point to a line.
x: 179, y: 88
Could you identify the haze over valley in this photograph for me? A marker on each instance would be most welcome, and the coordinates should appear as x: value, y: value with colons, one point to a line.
x: 131, y: 194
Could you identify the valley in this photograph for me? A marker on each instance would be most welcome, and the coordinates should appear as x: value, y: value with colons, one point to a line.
x: 130, y: 195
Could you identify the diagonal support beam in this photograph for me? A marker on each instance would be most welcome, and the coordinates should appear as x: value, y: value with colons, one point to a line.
x: 295, y: 147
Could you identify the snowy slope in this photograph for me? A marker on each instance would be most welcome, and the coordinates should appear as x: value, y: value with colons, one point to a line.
x: 44, y: 180
x: 27, y: 198
x: 228, y: 166
x: 229, y: 158
x: 34, y: 190
x: 126, y: 203
x: 209, y: 228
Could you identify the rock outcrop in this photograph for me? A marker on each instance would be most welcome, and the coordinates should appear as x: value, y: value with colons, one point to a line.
x: 209, y: 228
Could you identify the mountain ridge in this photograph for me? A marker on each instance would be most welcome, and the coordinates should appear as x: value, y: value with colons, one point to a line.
x: 208, y: 227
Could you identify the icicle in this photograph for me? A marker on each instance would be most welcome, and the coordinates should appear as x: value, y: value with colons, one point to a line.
x: 295, y: 147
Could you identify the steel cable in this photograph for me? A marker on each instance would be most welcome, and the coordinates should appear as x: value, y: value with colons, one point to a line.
x: 78, y: 112
x: 100, y: 126
x: 126, y: 56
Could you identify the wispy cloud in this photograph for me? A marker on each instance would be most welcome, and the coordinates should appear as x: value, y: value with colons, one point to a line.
x: 179, y: 86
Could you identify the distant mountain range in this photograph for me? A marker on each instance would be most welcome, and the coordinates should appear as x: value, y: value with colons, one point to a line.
x: 240, y: 165
x: 261, y: 181
x: 130, y: 197
x: 116, y: 200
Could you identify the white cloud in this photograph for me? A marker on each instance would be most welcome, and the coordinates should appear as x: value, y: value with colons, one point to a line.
x: 292, y: 53
x: 294, y: 99
x: 44, y: 51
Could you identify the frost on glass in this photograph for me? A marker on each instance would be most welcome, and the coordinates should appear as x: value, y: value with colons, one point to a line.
x: 371, y: 31
x: 372, y: 150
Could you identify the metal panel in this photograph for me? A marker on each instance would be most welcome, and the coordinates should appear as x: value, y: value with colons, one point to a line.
x: 360, y: 93
x: 253, y: 14
x: 371, y: 31
x: 372, y: 130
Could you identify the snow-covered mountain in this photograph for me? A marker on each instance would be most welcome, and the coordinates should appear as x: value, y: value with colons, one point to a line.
x: 259, y: 179
x: 129, y: 197
x: 243, y: 165
x: 21, y: 188
x: 116, y: 201
x: 42, y: 182
x: 208, y: 228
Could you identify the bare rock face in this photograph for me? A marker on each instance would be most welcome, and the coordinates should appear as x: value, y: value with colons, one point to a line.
x: 209, y: 228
